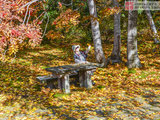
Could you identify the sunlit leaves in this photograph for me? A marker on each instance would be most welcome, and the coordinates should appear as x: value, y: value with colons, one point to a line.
x: 66, y: 19
x: 109, y: 11
x: 116, y: 87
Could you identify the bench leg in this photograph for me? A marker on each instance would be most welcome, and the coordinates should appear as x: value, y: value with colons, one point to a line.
x: 88, y: 81
x: 50, y: 85
x: 85, y: 79
x: 63, y: 83
x: 59, y: 83
x: 81, y: 78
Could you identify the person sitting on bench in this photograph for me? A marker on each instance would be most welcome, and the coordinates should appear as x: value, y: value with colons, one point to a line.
x: 80, y: 56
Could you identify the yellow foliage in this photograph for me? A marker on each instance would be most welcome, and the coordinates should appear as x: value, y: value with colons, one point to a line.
x: 13, y: 49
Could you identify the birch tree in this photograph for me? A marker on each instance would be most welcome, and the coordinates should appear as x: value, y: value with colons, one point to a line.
x: 151, y: 22
x: 115, y: 56
x: 99, y: 54
x: 132, y: 50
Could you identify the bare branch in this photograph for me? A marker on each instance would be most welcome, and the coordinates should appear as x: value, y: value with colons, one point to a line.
x: 26, y: 14
x: 28, y: 17
x: 46, y: 24
x: 40, y: 15
x: 29, y: 3
x: 72, y: 4
x: 67, y: 4
x: 77, y: 9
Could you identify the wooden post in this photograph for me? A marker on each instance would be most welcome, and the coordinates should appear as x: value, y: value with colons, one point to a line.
x: 59, y: 83
x: 87, y: 80
x: 65, y: 83
x: 59, y: 78
x: 50, y: 84
x: 81, y: 78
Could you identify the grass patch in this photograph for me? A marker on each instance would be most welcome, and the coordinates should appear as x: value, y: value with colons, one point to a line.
x: 131, y: 71
x: 100, y: 87
x: 143, y: 75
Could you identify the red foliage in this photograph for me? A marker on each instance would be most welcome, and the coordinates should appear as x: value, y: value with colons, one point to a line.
x: 60, y: 4
x: 54, y: 23
x: 40, y: 22
x: 13, y: 33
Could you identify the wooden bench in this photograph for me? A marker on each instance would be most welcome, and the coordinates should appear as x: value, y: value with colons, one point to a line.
x: 49, y: 79
x: 65, y: 72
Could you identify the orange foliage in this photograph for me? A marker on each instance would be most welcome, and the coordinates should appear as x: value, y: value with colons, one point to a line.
x: 65, y: 21
x: 110, y: 11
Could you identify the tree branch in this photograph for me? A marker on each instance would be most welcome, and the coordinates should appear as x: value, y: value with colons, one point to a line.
x: 67, y: 4
x: 26, y: 14
x: 46, y: 24
x: 28, y: 17
x: 28, y: 4
x: 40, y: 15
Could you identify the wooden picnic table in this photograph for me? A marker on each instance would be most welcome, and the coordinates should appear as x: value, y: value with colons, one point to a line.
x: 63, y: 72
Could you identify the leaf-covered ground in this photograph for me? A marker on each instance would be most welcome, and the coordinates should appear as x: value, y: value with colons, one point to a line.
x: 119, y: 93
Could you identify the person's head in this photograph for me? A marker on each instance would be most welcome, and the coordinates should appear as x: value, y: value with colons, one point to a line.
x: 75, y: 48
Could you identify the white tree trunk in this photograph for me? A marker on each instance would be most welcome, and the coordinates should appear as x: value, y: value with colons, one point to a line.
x: 132, y: 51
x: 151, y: 22
x: 115, y: 56
x: 99, y: 54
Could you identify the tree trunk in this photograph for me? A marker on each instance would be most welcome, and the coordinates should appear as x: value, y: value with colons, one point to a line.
x: 115, y: 56
x: 151, y: 22
x: 132, y: 51
x: 99, y: 54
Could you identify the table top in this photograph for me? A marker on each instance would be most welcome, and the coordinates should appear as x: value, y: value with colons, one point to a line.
x: 72, y: 67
